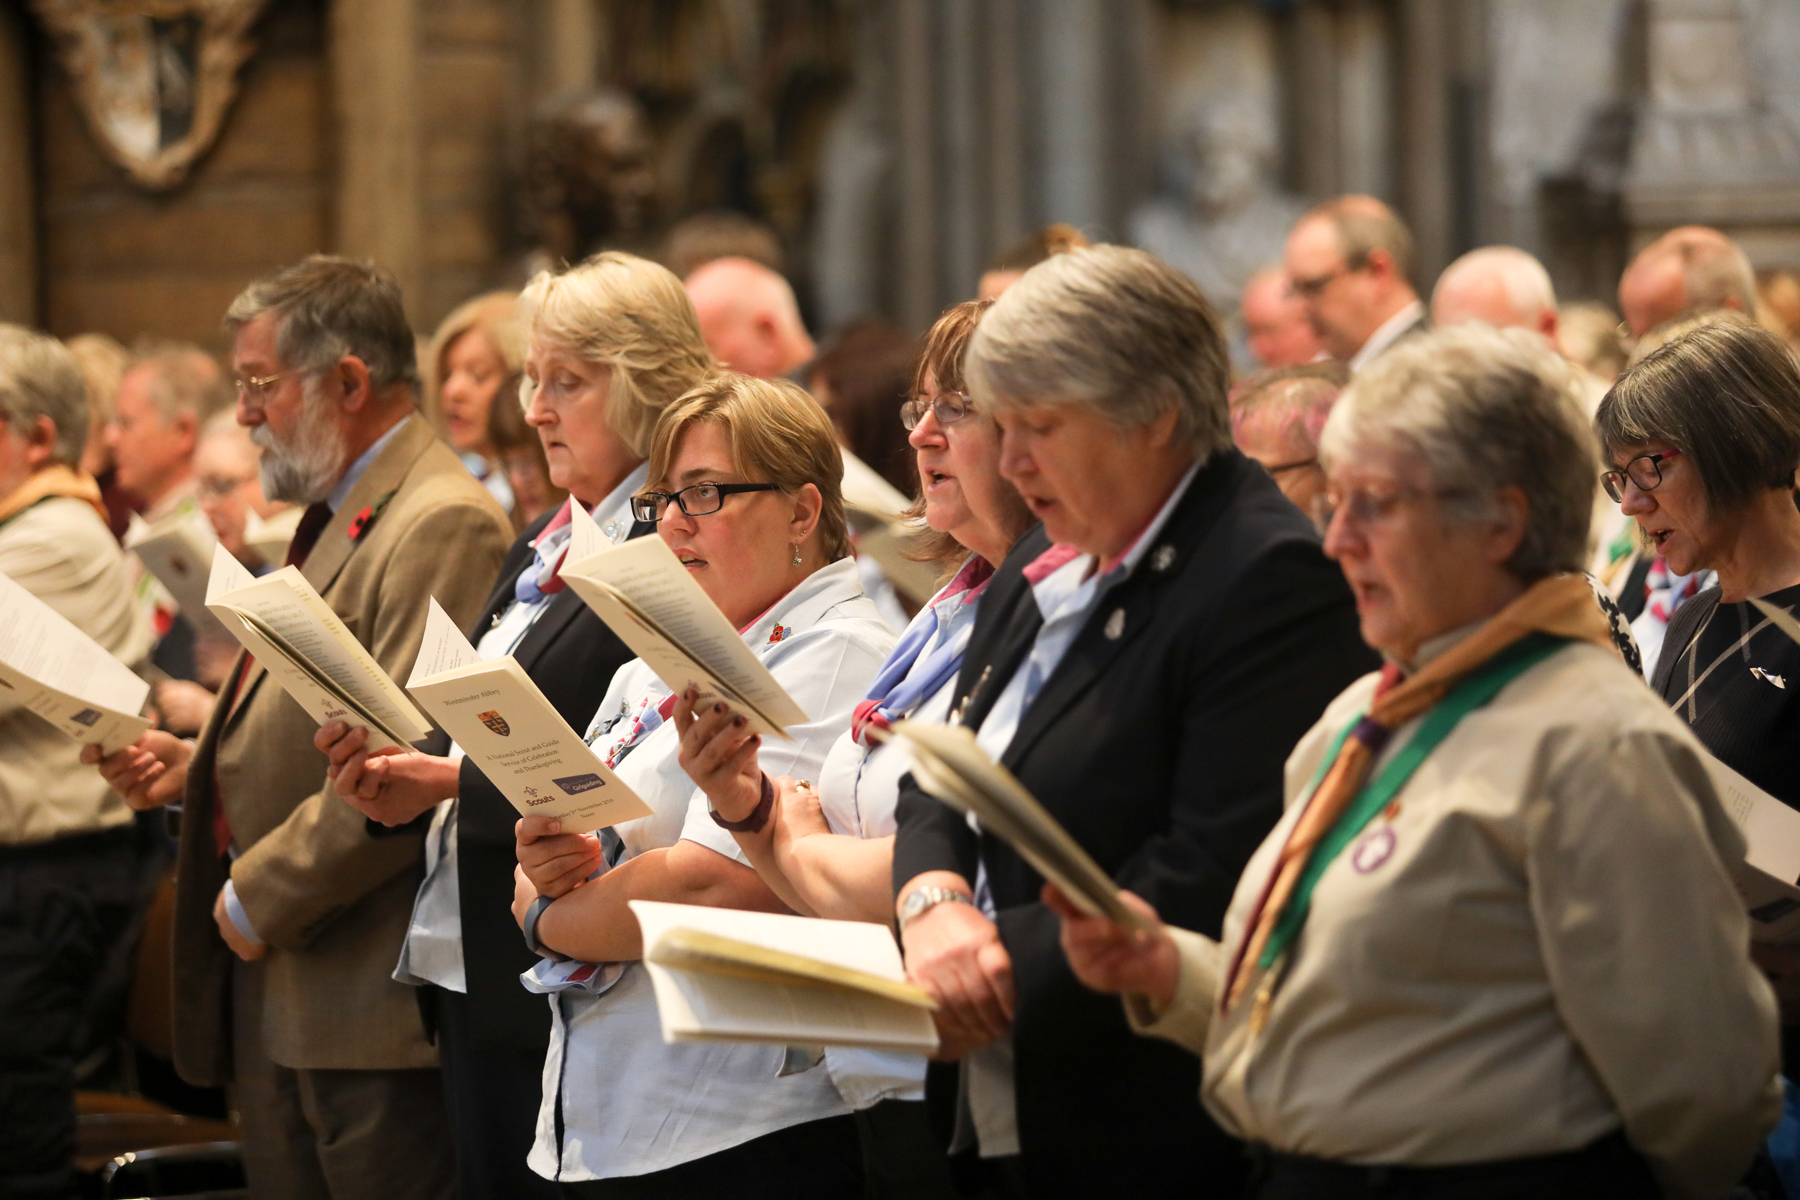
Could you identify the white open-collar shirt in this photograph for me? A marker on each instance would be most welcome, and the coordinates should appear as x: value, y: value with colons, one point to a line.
x: 630, y: 1103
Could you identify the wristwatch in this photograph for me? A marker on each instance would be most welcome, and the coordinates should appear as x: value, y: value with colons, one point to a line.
x: 529, y: 929
x: 919, y: 901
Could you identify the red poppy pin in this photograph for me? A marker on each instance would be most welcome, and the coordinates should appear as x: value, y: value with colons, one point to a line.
x: 359, y: 524
x: 779, y: 634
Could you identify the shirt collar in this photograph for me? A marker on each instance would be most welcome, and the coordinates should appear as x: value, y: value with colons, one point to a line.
x: 1432, y: 647
x: 1126, y: 563
x: 341, y: 492
x: 1386, y: 333
x: 807, y: 604
x: 613, y: 514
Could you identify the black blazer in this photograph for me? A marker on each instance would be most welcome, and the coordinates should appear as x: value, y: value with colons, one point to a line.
x: 1159, y: 743
x: 572, y: 656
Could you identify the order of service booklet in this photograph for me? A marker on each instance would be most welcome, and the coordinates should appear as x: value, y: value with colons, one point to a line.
x: 270, y: 538
x: 724, y: 975
x: 178, y: 550
x: 290, y: 629
x: 644, y: 594
x: 51, y: 667
x: 503, y: 722
x: 949, y: 764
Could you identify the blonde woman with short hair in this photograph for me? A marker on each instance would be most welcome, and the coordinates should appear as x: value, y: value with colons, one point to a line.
x: 475, y: 351
x: 744, y: 487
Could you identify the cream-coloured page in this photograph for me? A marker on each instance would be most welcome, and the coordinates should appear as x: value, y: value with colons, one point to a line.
x: 505, y: 725
x: 675, y: 628
x: 1771, y: 869
x: 864, y: 488
x: 270, y: 538
x: 700, y: 1006
x: 292, y: 631
x: 51, y: 667
x: 179, y: 551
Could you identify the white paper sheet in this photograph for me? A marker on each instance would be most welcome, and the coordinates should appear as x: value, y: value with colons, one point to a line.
x: 60, y: 673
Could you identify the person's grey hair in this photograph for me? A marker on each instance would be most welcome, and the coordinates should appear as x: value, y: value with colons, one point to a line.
x: 327, y: 307
x: 1293, y: 402
x: 182, y: 379
x: 1113, y: 329
x: 1483, y: 409
x: 39, y: 377
x: 1715, y: 273
x: 1727, y: 394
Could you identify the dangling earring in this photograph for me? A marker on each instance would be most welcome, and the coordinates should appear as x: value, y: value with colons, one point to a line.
x: 796, y: 554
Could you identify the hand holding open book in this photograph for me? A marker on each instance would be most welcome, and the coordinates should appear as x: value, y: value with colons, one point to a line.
x: 293, y: 633
x: 722, y: 975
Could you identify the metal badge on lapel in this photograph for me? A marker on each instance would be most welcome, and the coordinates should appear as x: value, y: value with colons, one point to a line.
x: 1163, y: 559
x: 1115, y: 625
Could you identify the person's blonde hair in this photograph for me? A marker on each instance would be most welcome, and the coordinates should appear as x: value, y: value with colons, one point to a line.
x: 495, y: 316
x: 627, y: 314
x: 779, y: 434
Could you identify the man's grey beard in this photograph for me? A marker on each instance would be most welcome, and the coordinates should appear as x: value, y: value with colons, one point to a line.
x: 304, y: 470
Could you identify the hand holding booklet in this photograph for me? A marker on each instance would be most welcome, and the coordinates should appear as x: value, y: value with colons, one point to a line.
x: 292, y: 632
x: 949, y: 764
x: 723, y: 975
x: 503, y: 722
x: 644, y: 594
x: 60, y: 673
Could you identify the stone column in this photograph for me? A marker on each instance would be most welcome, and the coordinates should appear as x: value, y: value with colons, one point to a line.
x: 18, y: 187
x: 1707, y: 150
x: 1427, y: 190
x: 374, y: 65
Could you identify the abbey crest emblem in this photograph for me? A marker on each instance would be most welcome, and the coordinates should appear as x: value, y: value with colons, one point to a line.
x: 154, y: 77
x: 496, y: 722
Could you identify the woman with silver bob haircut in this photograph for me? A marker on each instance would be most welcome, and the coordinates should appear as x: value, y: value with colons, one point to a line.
x: 1145, y: 661
x: 1502, y: 867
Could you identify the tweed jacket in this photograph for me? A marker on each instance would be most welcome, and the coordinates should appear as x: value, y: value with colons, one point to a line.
x: 331, y: 902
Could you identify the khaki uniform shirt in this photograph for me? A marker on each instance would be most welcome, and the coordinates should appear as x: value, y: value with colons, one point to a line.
x: 61, y: 552
x: 1537, y: 944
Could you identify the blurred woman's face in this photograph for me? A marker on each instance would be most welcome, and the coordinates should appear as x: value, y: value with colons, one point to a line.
x: 569, y: 400
x: 532, y: 490
x: 1673, y: 515
x: 473, y: 373
x: 959, y: 477
x: 742, y: 555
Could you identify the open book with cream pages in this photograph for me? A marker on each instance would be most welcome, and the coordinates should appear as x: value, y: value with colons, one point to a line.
x: 270, y: 538
x: 51, y: 667
x: 644, y: 594
x: 178, y: 550
x: 876, y: 513
x: 723, y: 975
x: 948, y: 764
x: 290, y: 629
x: 507, y: 727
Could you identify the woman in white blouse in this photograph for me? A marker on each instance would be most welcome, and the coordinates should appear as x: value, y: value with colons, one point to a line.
x: 830, y: 852
x: 745, y: 476
x: 1493, y: 947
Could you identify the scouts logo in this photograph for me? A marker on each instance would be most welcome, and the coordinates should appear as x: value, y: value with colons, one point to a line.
x: 495, y: 722
x: 1373, y: 849
x: 779, y: 634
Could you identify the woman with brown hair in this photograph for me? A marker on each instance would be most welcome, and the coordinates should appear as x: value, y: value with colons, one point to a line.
x: 475, y: 351
x: 744, y: 487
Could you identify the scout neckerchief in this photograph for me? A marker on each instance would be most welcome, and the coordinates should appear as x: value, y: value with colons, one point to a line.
x: 1561, y: 607
x: 913, y: 673
x: 56, y: 480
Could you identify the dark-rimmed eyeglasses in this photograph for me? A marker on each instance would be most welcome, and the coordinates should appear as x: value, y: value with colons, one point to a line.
x: 1311, y: 288
x: 697, y: 500
x: 949, y: 407
x: 1645, y: 471
x: 1298, y: 463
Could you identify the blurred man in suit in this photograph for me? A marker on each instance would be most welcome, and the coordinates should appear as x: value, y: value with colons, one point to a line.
x: 336, y: 1081
x: 1350, y: 260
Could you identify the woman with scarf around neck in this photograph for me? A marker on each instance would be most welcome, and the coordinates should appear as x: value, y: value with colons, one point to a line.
x: 745, y: 488
x: 830, y: 852
x: 1493, y: 948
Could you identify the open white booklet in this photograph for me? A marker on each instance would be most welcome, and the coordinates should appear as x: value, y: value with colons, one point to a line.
x: 722, y: 975
x: 178, y: 550
x: 502, y: 721
x: 1768, y: 876
x: 51, y: 667
x: 875, y: 509
x: 949, y: 764
x: 644, y: 594
x: 290, y: 629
